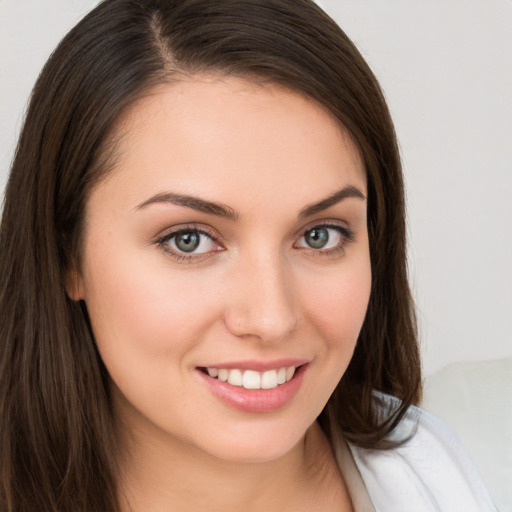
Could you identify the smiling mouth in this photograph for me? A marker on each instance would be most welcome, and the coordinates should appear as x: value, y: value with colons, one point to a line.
x: 251, y: 379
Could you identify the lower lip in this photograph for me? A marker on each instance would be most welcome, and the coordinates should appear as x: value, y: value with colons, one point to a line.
x: 256, y: 400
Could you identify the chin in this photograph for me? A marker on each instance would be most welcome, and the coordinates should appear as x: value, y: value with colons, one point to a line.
x: 257, y: 443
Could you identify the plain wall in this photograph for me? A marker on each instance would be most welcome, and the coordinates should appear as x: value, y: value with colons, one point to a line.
x: 446, y: 70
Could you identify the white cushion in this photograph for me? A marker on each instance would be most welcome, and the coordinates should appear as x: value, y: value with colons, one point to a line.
x: 475, y: 399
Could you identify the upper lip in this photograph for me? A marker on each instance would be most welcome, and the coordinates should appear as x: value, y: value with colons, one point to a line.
x: 259, y: 366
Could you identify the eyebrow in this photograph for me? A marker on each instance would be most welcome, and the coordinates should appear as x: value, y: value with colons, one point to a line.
x: 195, y: 203
x: 227, y: 212
x: 344, y: 193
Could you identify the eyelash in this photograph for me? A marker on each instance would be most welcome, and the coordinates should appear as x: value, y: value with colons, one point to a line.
x: 347, y: 237
x: 182, y: 257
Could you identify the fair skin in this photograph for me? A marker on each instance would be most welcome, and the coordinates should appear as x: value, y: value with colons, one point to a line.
x: 208, y: 248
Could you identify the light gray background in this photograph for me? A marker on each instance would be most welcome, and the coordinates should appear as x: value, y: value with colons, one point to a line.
x: 446, y: 69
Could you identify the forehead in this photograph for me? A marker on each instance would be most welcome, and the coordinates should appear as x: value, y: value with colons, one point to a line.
x: 213, y: 132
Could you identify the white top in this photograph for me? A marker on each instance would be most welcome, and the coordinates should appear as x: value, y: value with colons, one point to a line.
x: 431, y: 472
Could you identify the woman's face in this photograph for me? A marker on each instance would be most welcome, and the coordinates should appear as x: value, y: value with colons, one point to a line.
x: 229, y: 242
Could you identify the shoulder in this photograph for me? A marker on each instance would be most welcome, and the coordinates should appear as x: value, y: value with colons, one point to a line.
x: 431, y: 471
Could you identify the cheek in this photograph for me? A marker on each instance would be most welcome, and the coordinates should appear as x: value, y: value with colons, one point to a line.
x: 337, y: 304
x: 139, y: 311
x: 335, y: 307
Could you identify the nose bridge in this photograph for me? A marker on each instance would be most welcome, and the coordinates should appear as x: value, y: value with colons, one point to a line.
x: 262, y: 300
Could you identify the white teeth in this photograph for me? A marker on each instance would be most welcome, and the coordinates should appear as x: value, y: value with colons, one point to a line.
x: 251, y: 379
x: 235, y: 377
x: 269, y: 379
x: 213, y: 372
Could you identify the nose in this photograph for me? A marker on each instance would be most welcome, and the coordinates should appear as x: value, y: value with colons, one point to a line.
x: 261, y: 301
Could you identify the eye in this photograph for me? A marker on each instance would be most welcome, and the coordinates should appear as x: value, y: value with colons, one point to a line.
x: 190, y: 241
x: 321, y: 237
x: 187, y: 243
x: 325, y: 238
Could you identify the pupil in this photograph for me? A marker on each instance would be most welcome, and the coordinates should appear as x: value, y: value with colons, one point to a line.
x: 317, y: 238
x: 187, y: 242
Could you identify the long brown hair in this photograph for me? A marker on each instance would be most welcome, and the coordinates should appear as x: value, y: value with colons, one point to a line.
x: 57, y: 432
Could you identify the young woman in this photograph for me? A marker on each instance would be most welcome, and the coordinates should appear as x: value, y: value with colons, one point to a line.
x: 203, y: 279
